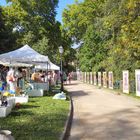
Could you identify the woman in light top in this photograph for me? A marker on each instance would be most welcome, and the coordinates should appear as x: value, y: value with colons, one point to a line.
x: 11, y: 80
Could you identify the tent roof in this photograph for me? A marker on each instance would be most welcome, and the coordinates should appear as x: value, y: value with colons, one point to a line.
x: 24, y: 54
x: 51, y: 66
x: 16, y: 64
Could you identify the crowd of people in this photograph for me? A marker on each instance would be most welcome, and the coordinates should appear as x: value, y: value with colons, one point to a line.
x: 54, y: 77
x: 11, y: 78
x: 15, y: 77
x: 42, y: 76
x: 67, y: 77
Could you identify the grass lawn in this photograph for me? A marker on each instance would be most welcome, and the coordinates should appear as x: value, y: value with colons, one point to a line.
x: 131, y: 94
x: 41, y: 119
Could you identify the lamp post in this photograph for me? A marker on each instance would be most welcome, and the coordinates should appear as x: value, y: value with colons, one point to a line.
x: 61, y: 52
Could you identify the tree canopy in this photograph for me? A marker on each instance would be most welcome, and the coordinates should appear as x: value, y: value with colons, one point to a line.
x: 110, y: 32
x: 33, y: 22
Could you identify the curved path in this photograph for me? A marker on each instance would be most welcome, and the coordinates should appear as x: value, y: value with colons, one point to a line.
x: 103, y: 115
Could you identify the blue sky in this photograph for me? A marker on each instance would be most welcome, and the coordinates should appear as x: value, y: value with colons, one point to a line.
x: 61, y: 5
x: 2, y: 2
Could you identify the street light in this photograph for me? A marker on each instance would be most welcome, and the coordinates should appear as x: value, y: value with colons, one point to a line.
x: 61, y: 52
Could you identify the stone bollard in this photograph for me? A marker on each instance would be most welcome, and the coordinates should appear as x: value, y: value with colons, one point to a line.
x: 6, y: 135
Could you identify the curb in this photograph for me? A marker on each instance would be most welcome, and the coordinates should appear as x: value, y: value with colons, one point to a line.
x: 66, y: 132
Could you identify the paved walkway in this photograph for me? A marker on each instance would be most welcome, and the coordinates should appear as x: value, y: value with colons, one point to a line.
x: 101, y: 115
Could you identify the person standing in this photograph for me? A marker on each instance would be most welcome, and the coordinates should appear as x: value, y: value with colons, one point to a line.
x: 69, y: 77
x: 3, y: 77
x: 11, y: 80
x: 18, y: 75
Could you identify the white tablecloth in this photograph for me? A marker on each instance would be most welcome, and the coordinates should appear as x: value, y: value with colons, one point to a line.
x: 44, y: 86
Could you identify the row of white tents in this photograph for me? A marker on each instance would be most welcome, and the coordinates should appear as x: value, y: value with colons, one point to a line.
x: 26, y: 56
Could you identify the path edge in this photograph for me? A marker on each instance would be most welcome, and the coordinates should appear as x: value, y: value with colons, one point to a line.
x: 67, y: 127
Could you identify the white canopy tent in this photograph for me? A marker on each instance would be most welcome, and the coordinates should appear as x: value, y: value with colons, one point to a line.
x: 51, y: 66
x: 24, y: 55
x: 15, y: 64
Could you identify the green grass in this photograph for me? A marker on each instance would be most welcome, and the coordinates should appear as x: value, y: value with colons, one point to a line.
x: 131, y: 94
x: 41, y: 119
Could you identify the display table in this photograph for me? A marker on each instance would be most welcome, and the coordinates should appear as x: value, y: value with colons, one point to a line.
x: 11, y: 101
x: 21, y: 99
x: 4, y: 111
x: 36, y: 92
x: 44, y: 86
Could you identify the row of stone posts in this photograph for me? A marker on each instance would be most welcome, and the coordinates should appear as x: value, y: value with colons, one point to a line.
x: 106, y: 80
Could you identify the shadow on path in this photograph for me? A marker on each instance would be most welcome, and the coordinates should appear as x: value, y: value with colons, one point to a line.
x: 118, y: 125
x: 78, y: 93
x: 102, y: 116
x: 71, y: 84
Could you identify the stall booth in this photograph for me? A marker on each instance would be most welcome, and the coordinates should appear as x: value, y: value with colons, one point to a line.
x: 24, y: 55
x: 39, y: 87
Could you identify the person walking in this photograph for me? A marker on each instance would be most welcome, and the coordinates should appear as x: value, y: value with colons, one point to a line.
x: 65, y: 77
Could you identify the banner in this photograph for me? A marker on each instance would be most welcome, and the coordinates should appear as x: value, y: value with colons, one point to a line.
x: 137, y: 77
x: 78, y: 75
x: 110, y: 78
x: 81, y: 76
x: 99, y: 79
x: 126, y: 81
x: 105, y: 79
x: 91, y: 78
x: 95, y: 79
x: 85, y: 78
x: 83, y: 73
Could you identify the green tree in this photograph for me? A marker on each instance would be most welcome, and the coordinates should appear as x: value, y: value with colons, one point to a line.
x: 110, y: 33
x: 78, y: 17
x: 6, y: 37
x: 92, y: 52
x: 37, y: 18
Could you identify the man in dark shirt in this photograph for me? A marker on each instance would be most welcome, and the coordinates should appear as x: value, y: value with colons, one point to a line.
x: 3, y: 76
